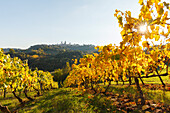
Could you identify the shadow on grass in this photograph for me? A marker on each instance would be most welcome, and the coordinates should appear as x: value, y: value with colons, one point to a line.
x: 155, y: 95
x: 51, y: 102
x: 101, y: 105
x: 166, y: 100
x: 58, y: 93
x: 52, y: 98
x: 7, y: 104
x: 159, y: 96
x: 7, y: 98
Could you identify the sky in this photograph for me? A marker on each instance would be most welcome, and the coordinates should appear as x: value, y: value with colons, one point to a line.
x: 24, y: 23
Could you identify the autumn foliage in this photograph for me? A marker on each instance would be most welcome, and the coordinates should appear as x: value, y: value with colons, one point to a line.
x: 136, y: 57
x: 16, y: 76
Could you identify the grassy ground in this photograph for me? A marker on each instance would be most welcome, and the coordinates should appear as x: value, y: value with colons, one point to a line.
x: 66, y: 100
x: 155, y: 95
x: 156, y: 80
x: 62, y: 100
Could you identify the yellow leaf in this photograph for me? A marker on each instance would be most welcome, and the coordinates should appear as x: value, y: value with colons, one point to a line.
x: 145, y: 43
x: 129, y: 13
x: 152, y: 27
x: 161, y: 11
x: 75, y: 61
x: 140, y: 2
x: 120, y: 20
x: 168, y: 40
x: 157, y: 37
x: 123, y: 32
x: 168, y: 45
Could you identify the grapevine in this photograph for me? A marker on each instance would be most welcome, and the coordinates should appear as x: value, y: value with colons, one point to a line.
x: 135, y: 58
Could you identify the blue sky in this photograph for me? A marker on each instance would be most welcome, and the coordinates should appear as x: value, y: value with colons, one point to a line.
x: 28, y: 22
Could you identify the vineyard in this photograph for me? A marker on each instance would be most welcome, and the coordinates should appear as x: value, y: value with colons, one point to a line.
x: 128, y: 62
x: 111, y: 72
x: 15, y: 76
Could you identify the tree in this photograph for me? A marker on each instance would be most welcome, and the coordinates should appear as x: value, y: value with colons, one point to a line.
x: 58, y: 76
x: 61, y: 74
x: 12, y: 51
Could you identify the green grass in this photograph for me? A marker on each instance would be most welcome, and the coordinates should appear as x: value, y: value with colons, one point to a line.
x: 153, y: 80
x: 155, y: 95
x: 62, y: 100
x: 66, y: 100
x: 156, y: 80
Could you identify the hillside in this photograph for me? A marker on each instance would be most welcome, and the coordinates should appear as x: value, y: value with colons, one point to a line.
x: 50, y: 57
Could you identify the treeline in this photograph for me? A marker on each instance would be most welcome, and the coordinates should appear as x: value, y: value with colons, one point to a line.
x: 51, y: 57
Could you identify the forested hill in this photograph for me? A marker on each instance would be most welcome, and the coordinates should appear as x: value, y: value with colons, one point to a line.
x: 50, y: 57
x: 49, y: 48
